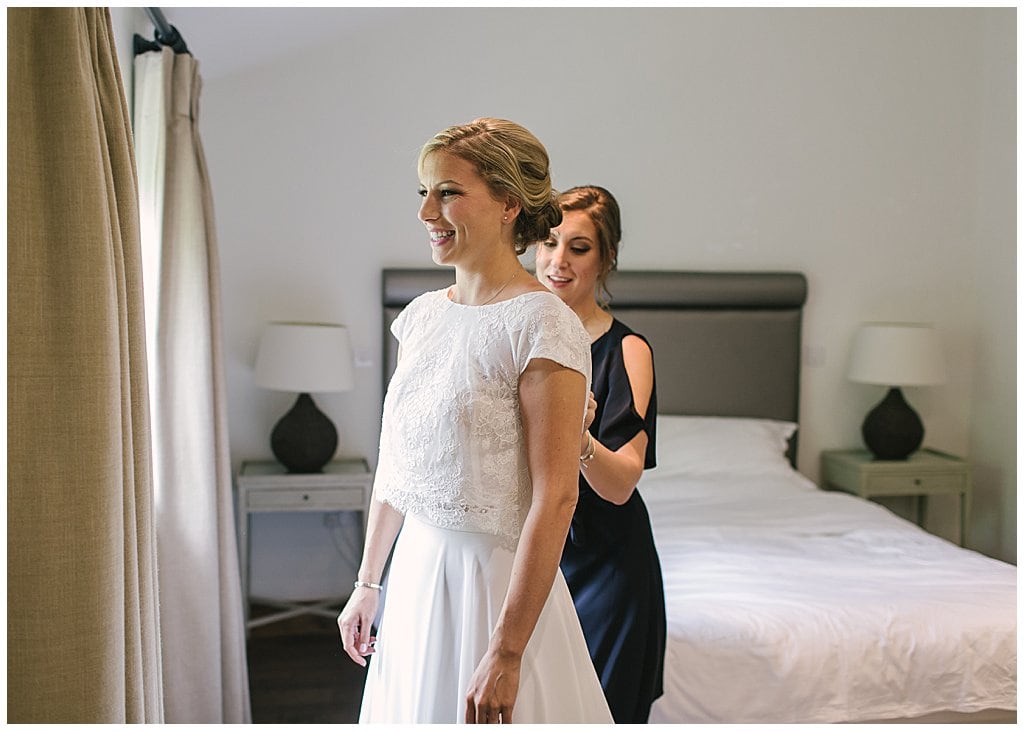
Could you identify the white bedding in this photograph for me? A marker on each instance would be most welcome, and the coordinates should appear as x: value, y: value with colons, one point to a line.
x: 790, y: 604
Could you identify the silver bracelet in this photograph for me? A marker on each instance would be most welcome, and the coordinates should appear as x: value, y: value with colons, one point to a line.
x: 588, y: 453
x: 367, y: 584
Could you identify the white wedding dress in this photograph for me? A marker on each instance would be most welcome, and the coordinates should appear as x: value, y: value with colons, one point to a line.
x: 452, y: 459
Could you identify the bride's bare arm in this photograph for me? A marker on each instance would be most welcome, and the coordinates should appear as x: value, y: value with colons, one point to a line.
x: 552, y: 400
x: 356, y: 618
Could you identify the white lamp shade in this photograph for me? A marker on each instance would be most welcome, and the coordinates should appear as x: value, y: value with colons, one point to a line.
x: 305, y: 358
x: 897, y: 354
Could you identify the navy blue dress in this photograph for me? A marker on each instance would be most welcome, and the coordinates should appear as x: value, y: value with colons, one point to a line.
x: 609, y: 559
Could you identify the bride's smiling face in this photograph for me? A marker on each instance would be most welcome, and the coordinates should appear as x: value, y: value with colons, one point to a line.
x: 462, y: 216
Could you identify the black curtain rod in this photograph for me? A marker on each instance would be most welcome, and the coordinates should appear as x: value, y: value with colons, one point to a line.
x: 164, y: 34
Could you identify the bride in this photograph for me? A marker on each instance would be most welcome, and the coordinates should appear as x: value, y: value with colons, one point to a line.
x: 478, y: 465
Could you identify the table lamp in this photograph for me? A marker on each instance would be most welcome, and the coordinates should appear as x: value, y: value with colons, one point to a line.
x: 895, y: 355
x: 304, y: 358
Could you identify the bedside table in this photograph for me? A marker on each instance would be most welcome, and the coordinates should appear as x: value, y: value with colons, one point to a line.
x: 926, y: 472
x: 266, y: 487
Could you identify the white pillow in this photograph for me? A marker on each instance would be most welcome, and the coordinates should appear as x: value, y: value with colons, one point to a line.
x: 702, y: 444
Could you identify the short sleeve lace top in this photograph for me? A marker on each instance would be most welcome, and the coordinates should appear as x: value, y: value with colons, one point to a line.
x: 451, y: 445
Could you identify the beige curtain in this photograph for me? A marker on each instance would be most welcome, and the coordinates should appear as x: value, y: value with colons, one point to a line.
x: 201, y: 615
x: 82, y: 619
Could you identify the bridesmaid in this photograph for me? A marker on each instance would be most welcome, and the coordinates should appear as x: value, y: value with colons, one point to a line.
x: 609, y: 560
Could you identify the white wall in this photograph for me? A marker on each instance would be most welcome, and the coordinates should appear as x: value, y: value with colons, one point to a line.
x: 993, y: 445
x: 868, y: 148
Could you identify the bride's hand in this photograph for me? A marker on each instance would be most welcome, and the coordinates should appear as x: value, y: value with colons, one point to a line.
x: 355, y: 622
x: 493, y: 688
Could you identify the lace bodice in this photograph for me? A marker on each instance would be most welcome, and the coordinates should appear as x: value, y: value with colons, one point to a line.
x: 451, y: 445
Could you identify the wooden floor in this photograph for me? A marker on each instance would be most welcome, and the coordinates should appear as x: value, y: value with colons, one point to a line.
x: 298, y: 673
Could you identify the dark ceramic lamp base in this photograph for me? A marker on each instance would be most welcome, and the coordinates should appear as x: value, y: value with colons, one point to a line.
x: 304, y: 440
x: 892, y: 430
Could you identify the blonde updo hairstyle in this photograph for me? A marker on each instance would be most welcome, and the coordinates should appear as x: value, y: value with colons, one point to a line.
x: 603, y: 211
x: 513, y: 163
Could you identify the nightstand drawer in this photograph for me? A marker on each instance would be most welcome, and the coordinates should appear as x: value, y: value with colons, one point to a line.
x: 913, y: 484
x: 332, y: 498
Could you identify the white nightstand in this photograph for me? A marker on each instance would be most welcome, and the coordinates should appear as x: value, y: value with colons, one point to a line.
x: 926, y: 472
x: 265, y: 487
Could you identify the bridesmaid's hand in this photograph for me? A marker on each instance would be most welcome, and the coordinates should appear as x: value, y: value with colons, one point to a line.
x: 588, y: 418
x: 493, y: 688
x: 355, y: 622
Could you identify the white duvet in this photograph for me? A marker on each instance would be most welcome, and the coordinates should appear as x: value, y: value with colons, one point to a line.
x: 790, y: 604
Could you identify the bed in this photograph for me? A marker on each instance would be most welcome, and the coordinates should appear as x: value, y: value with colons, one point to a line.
x: 786, y: 603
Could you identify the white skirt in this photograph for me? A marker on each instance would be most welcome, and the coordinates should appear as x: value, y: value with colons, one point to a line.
x: 444, y: 592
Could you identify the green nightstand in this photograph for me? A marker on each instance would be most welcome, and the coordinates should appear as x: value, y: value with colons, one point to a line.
x: 925, y: 473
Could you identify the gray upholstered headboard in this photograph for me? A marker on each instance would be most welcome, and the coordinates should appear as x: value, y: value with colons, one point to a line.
x: 725, y: 343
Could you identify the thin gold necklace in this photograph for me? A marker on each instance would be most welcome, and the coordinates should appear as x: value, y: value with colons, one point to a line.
x: 585, y: 320
x: 501, y: 288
